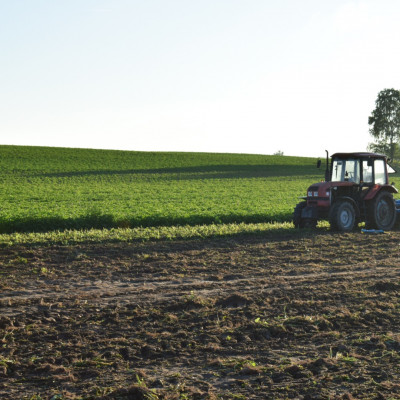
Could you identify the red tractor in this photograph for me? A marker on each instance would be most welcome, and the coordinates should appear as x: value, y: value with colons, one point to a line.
x: 356, y: 189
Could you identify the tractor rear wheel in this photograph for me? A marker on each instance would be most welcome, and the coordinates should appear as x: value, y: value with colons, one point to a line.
x: 381, y: 212
x: 342, y: 216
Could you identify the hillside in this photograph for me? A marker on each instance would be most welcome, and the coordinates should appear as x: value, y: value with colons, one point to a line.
x: 59, y: 188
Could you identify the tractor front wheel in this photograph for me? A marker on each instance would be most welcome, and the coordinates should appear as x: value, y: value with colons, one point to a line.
x: 309, y: 223
x: 298, y: 223
x: 342, y: 216
x: 381, y: 212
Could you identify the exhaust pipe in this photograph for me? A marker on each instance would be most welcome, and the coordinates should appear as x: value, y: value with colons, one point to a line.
x: 327, y: 167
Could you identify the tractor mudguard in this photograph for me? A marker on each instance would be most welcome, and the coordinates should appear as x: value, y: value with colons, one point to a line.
x: 374, y: 190
x: 309, y: 212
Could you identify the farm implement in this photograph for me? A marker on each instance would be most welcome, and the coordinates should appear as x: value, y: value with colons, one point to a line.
x: 356, y: 189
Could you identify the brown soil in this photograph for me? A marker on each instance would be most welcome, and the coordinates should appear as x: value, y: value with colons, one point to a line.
x: 302, y: 317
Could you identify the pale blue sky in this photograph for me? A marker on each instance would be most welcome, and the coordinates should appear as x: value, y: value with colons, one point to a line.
x: 252, y: 76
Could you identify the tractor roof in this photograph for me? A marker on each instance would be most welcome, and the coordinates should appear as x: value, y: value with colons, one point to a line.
x: 358, y: 155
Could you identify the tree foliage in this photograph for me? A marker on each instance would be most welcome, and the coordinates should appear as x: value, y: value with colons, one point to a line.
x: 385, y: 122
x: 379, y: 147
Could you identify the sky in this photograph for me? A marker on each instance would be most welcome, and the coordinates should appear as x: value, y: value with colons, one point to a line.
x: 226, y: 76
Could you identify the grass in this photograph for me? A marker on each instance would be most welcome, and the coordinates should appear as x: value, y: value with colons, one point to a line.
x: 54, y: 189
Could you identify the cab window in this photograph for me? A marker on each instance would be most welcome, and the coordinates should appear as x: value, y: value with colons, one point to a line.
x: 346, y: 171
x: 367, y: 171
x: 380, y: 176
x: 337, y: 170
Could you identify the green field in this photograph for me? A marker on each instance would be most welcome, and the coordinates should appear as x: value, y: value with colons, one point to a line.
x: 46, y: 189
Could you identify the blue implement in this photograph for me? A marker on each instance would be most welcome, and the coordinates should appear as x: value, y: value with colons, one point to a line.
x: 372, y: 231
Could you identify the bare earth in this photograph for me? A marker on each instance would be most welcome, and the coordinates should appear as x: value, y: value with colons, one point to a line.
x: 246, y: 317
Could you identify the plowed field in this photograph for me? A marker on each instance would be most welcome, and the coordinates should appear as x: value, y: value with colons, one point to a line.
x: 244, y: 317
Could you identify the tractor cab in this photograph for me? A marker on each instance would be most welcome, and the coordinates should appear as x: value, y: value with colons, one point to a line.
x: 356, y: 189
x: 360, y: 168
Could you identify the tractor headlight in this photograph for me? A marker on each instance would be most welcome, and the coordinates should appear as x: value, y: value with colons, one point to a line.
x: 316, y: 194
x: 309, y: 194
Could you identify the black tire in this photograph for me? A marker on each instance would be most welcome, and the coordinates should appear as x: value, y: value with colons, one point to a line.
x: 381, y: 212
x: 308, y: 223
x: 342, y: 216
x: 297, y: 221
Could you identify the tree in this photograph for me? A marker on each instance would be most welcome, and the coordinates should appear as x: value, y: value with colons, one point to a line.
x: 379, y: 147
x: 385, y: 122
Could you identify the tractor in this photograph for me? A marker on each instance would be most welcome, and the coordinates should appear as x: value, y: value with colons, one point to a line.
x: 356, y: 189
